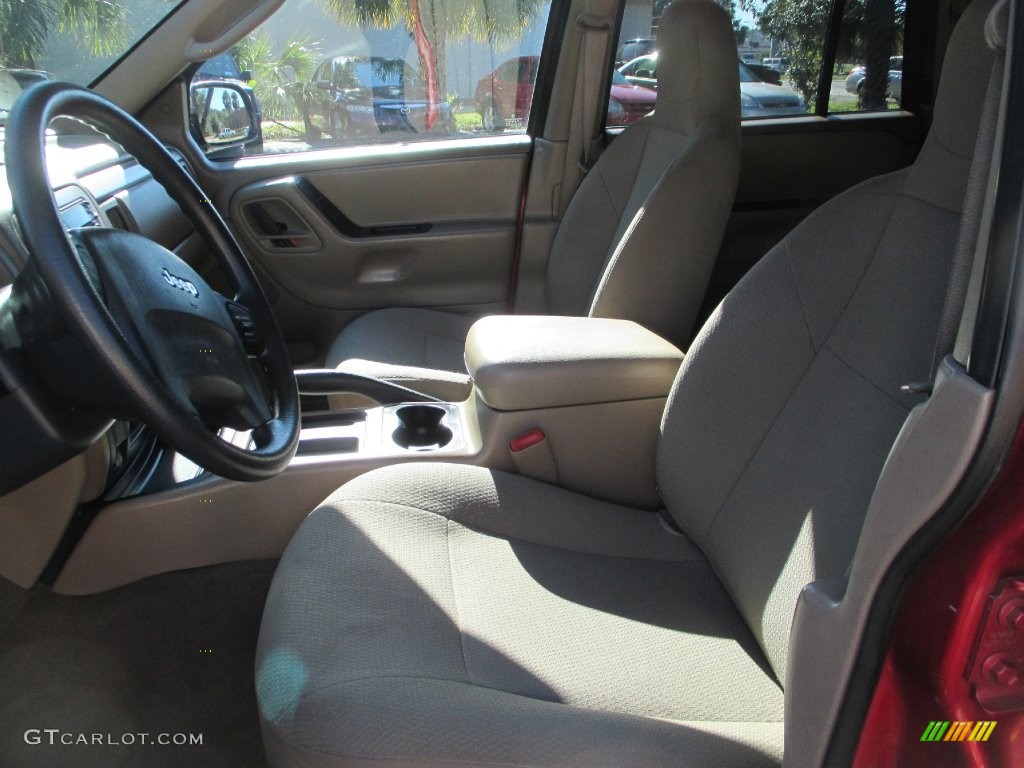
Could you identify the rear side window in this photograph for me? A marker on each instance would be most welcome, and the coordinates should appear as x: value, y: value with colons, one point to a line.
x: 781, y: 52
x: 326, y: 73
x: 869, y: 58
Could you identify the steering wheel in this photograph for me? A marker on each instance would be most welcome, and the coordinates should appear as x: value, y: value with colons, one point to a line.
x: 145, y: 337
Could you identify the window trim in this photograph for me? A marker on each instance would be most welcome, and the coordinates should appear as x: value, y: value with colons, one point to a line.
x: 828, y: 61
x: 558, y: 22
x: 828, y: 58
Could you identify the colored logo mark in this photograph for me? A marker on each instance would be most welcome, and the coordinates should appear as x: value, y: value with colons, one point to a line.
x: 944, y: 730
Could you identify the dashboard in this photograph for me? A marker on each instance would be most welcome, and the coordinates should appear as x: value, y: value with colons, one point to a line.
x: 97, y: 184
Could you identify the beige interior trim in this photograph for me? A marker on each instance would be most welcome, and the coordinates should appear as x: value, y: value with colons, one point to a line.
x: 213, y: 521
x: 930, y: 456
x: 218, y: 521
x: 33, y: 518
x: 196, y: 31
x: 464, y: 258
x: 605, y: 450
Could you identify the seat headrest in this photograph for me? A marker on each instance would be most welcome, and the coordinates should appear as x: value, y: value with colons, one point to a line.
x: 939, y: 174
x: 698, y: 69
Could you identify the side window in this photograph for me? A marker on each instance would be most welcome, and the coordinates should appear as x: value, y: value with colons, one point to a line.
x: 325, y: 73
x: 780, y: 54
x: 869, y: 58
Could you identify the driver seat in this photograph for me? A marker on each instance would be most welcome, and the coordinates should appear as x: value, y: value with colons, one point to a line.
x: 640, y: 236
x: 437, y: 614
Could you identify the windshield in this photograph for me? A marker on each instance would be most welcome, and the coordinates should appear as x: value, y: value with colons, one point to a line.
x: 381, y: 73
x: 71, y: 40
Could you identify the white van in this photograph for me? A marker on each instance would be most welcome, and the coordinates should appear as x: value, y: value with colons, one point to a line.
x: 780, y: 63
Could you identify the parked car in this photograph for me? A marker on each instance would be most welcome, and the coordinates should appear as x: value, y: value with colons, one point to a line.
x: 503, y: 97
x: 767, y: 74
x: 627, y: 102
x: 9, y: 93
x: 638, y: 46
x: 223, y: 67
x: 757, y: 98
x: 27, y: 77
x: 778, y: 63
x: 373, y: 95
x: 643, y: 70
x: 13, y: 82
x: 855, y: 80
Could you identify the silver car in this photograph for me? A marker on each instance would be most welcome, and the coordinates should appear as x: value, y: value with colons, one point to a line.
x: 855, y: 80
x: 757, y: 98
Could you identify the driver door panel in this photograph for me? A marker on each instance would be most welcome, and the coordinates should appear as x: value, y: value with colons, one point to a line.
x: 435, y: 231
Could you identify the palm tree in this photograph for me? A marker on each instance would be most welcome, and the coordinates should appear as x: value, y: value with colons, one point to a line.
x: 26, y: 24
x: 871, y: 29
x: 482, y: 19
x: 283, y: 84
x: 497, y: 22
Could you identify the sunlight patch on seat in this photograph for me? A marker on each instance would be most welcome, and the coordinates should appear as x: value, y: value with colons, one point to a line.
x: 280, y: 682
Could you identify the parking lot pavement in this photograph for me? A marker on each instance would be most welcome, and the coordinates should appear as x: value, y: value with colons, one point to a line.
x: 839, y: 93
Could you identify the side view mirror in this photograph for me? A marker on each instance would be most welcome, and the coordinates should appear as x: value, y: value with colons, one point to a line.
x: 223, y: 114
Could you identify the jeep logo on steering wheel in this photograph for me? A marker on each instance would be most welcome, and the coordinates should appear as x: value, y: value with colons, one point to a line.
x: 182, y: 285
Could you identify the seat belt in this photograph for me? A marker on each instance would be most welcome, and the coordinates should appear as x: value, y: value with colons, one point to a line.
x: 960, y: 308
x: 592, y: 62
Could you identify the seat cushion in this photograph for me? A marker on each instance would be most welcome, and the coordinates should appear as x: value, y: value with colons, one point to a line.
x: 422, y: 349
x: 458, y: 615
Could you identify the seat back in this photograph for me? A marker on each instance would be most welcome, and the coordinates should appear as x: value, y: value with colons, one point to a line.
x: 788, y: 403
x: 643, y: 230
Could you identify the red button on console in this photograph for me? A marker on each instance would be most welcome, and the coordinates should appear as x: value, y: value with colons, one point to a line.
x: 526, y: 440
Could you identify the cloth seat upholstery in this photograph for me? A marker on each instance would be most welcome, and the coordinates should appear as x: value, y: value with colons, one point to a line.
x: 641, y: 234
x: 418, y: 348
x: 482, y: 591
x: 457, y: 616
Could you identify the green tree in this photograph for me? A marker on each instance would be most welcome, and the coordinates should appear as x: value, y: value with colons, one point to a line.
x: 26, y: 24
x: 738, y: 29
x: 283, y: 83
x: 874, y: 33
x: 870, y: 31
x: 799, y: 26
x: 499, y: 22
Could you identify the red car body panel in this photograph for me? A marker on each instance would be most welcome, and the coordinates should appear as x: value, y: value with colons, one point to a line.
x: 936, y: 666
x: 636, y: 100
x: 511, y: 86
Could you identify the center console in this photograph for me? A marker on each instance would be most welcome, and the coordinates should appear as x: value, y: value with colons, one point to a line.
x: 391, y: 432
x: 572, y: 401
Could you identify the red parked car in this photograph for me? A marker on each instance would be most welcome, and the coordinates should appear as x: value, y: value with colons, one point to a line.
x: 503, y: 97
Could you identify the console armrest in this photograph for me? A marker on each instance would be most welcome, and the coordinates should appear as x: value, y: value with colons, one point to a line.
x: 528, y: 362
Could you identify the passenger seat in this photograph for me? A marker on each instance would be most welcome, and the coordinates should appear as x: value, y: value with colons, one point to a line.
x: 640, y: 236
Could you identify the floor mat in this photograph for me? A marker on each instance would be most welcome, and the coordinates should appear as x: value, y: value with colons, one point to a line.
x: 101, y: 680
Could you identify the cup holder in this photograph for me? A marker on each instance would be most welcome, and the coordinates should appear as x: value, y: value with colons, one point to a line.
x: 420, y: 428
